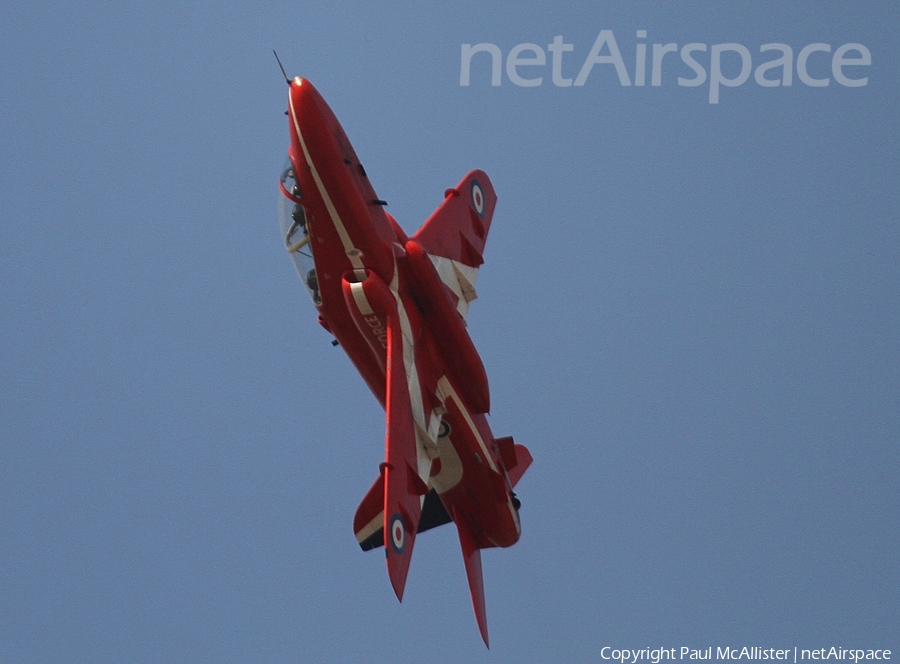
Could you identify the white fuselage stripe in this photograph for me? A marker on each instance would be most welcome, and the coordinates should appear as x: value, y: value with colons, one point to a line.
x: 362, y: 302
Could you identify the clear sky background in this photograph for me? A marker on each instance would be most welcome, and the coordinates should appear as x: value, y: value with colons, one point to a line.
x: 688, y: 312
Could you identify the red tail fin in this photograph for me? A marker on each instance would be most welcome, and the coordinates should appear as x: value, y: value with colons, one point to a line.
x: 472, y: 558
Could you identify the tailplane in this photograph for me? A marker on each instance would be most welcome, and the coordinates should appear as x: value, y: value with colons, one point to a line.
x: 516, y: 458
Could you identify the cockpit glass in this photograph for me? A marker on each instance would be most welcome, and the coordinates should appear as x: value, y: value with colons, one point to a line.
x: 295, y: 232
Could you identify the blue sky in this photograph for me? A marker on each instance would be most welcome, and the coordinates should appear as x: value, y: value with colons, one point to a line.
x: 688, y: 312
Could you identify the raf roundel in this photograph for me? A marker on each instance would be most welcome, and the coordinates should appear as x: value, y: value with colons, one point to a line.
x: 477, y: 197
x: 398, y: 534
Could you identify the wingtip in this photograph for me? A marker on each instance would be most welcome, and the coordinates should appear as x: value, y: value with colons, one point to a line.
x: 398, y: 568
x: 484, y: 636
x: 399, y: 585
x: 481, y: 619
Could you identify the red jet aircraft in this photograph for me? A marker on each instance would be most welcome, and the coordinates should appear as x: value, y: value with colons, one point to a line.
x: 397, y: 306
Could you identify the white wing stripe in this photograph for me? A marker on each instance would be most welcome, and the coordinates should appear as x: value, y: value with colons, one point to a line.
x: 459, y: 278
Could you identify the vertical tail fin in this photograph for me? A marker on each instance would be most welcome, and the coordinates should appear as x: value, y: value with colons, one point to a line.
x: 472, y: 558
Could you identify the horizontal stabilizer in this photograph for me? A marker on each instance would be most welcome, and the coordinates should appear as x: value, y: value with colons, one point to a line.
x: 506, y: 445
x: 523, y: 460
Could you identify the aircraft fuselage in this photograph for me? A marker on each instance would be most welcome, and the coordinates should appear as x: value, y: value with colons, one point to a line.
x: 383, y: 295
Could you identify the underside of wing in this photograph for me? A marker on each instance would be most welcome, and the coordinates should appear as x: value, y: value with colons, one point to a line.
x: 454, y: 235
x: 403, y: 488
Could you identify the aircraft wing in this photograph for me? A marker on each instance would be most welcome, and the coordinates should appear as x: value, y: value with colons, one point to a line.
x: 455, y: 234
x: 403, y: 488
x: 375, y: 306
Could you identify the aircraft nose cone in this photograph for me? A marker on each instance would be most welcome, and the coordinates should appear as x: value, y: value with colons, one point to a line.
x: 305, y: 99
x: 299, y: 83
x: 312, y: 119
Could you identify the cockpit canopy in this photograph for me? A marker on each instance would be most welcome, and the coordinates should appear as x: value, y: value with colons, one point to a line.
x: 292, y: 216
